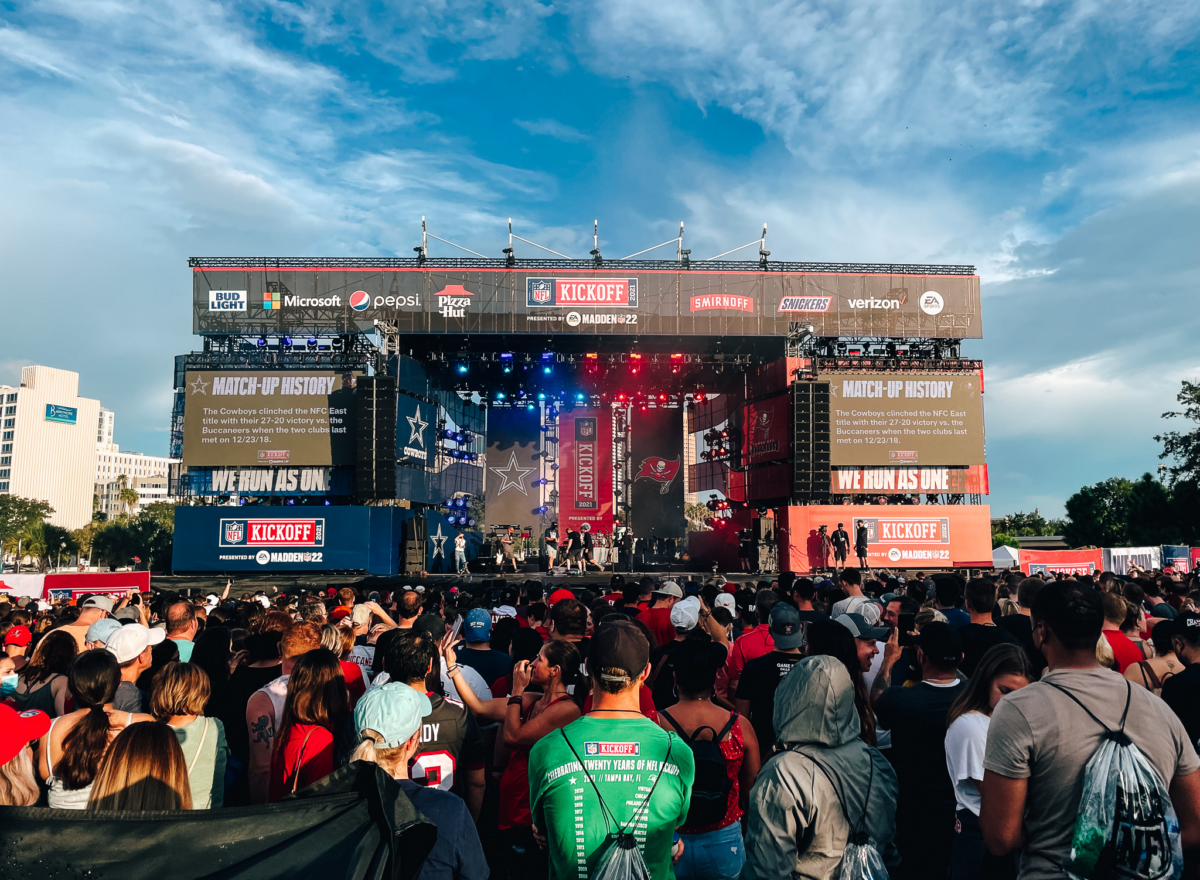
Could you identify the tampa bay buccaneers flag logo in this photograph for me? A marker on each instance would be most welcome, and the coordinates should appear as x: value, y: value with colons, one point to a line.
x: 660, y: 470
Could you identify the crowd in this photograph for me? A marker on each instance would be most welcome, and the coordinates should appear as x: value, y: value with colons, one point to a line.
x: 867, y: 727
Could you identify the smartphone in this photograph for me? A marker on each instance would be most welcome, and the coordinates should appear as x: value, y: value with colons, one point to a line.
x: 458, y: 622
x: 906, y: 624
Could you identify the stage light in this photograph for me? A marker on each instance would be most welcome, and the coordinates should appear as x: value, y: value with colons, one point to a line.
x: 701, y: 397
x: 662, y: 397
x: 635, y: 364
x: 547, y: 369
x: 621, y: 397
x: 541, y: 396
x: 506, y: 356
x: 287, y: 342
x: 542, y: 482
x: 554, y: 467
x: 312, y: 340
x: 543, y: 509
x: 290, y: 502
x: 521, y: 393
x: 262, y: 342
x: 328, y: 503
x: 591, y: 362
x: 529, y: 406
x: 242, y: 501
x: 470, y: 522
x: 506, y: 369
x: 579, y: 396
x: 462, y: 367
x: 499, y: 395
x: 676, y: 362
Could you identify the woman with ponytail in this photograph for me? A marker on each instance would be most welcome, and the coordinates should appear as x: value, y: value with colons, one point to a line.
x: 70, y: 753
x: 526, y: 718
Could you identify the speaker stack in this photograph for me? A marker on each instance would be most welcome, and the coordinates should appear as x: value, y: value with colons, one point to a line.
x: 810, y: 477
x: 375, y: 459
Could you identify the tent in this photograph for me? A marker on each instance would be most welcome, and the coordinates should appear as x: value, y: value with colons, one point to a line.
x: 356, y: 823
x: 1005, y: 557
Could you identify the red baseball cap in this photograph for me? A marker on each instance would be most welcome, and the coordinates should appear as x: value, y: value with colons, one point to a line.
x: 339, y: 613
x: 558, y: 595
x: 18, y: 729
x: 19, y: 636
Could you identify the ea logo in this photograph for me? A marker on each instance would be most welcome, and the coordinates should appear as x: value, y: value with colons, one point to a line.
x: 894, y: 554
x: 262, y: 557
x: 359, y: 300
x: 574, y: 319
x: 932, y: 303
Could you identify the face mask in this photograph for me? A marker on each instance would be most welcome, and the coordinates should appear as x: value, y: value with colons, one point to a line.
x: 8, y: 684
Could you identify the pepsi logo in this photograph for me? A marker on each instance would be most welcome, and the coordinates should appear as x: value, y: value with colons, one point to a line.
x: 359, y: 300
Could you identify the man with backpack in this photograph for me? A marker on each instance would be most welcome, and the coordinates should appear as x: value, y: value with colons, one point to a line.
x: 1042, y: 737
x: 612, y: 785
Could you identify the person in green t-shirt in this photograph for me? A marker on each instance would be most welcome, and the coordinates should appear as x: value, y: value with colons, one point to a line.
x: 593, y: 778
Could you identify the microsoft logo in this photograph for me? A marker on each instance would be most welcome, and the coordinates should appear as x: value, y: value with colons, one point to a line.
x: 272, y: 300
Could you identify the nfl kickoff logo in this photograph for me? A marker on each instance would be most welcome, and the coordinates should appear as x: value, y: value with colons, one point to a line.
x: 541, y: 291
x: 591, y: 748
x: 235, y: 531
x: 587, y: 429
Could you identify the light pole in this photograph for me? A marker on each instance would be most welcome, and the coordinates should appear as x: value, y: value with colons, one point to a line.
x: 61, y: 547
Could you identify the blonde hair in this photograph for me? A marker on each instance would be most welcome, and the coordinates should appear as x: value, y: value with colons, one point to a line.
x: 1104, y: 653
x: 338, y: 639
x: 179, y: 689
x: 390, y: 760
x: 144, y: 769
x: 18, y: 788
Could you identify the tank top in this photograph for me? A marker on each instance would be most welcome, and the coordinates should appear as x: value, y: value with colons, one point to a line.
x: 41, y: 699
x: 59, y: 798
x: 515, y: 811
x: 276, y: 690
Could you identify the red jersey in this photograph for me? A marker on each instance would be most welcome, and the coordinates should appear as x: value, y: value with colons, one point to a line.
x: 659, y: 622
x: 1123, y: 648
x: 305, y: 758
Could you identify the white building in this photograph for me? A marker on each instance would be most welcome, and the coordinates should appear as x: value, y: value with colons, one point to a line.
x: 104, y: 431
x: 111, y: 463
x: 145, y: 474
x: 48, y: 443
x: 149, y: 490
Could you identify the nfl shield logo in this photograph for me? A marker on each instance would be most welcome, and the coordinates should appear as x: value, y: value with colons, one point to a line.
x: 234, y: 531
x: 587, y: 429
x: 541, y: 291
x: 591, y: 748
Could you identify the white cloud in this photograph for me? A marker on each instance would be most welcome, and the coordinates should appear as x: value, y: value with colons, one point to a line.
x: 552, y: 128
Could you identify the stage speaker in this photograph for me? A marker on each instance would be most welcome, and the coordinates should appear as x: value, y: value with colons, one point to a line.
x: 375, y: 437
x: 416, y: 534
x: 810, y: 442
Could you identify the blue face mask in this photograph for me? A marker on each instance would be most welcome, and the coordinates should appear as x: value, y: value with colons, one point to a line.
x: 8, y: 684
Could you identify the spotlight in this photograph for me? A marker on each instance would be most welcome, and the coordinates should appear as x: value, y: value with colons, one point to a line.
x: 635, y: 364
x: 312, y: 340
x: 290, y: 502
x: 579, y: 396
x: 287, y: 342
x: 541, y: 396
x: 701, y: 397
x: 676, y: 362
x: 547, y: 369
x: 462, y: 368
x: 499, y: 395
x: 543, y: 509
x: 529, y: 406
x: 262, y: 342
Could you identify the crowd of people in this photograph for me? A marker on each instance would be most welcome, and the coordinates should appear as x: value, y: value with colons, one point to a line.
x: 931, y: 727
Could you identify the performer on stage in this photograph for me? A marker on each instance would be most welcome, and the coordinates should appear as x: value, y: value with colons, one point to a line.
x: 841, y: 547
x: 860, y: 545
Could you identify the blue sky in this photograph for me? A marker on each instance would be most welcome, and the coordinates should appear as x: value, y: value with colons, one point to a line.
x: 1054, y: 145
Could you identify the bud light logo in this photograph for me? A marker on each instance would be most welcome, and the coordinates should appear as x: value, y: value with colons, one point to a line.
x: 359, y: 300
x: 227, y: 300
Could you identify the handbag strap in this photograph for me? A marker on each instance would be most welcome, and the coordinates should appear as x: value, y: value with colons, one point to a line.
x: 200, y: 748
x: 300, y: 760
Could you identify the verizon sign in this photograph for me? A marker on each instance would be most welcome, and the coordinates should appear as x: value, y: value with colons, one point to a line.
x: 581, y: 293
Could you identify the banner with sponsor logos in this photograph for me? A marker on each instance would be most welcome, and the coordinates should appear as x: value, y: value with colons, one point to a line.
x: 269, y: 418
x: 905, y: 419
x: 1060, y: 561
x: 970, y: 480
x: 657, y: 462
x: 585, y: 475
x: 511, y: 496
x: 909, y: 536
x: 1177, y: 557
x: 288, y: 539
x: 767, y: 430
x: 296, y: 297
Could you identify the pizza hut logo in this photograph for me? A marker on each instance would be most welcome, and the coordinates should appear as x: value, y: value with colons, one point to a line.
x: 235, y: 531
x: 541, y: 292
x: 660, y: 470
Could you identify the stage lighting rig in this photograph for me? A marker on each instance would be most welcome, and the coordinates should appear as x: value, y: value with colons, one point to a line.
x: 635, y: 364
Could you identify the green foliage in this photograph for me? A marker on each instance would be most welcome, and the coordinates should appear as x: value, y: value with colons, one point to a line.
x: 161, y: 512
x: 1097, y: 516
x: 146, y: 537
x: 696, y: 515
x: 1027, y: 525
x: 18, y: 515
x: 1182, y: 449
x: 999, y: 539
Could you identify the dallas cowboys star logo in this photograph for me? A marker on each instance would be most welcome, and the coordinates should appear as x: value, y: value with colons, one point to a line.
x: 199, y: 386
x: 510, y: 481
x: 417, y: 428
x: 439, y: 542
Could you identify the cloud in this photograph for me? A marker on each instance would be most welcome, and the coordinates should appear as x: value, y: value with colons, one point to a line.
x: 552, y: 128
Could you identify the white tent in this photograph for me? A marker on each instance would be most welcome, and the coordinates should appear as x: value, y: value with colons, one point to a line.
x: 1005, y: 557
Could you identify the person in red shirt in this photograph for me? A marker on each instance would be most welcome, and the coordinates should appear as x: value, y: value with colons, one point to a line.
x: 754, y: 644
x: 1123, y: 648
x: 658, y: 615
x: 315, y: 706
x: 340, y: 640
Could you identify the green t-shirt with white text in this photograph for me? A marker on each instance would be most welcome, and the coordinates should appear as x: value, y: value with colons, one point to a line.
x: 624, y: 758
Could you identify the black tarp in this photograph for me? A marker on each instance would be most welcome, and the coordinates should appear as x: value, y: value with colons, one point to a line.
x: 356, y: 824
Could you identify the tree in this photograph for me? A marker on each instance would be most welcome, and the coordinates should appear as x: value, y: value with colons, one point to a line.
x: 129, y: 499
x: 1098, y: 516
x: 696, y: 515
x: 1026, y: 525
x: 57, y: 542
x: 18, y: 514
x: 1150, y: 515
x: 1182, y: 448
x: 999, y: 539
x: 161, y: 512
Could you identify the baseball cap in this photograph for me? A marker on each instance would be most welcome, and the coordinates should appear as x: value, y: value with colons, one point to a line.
x: 619, y: 646
x: 686, y: 613
x: 860, y: 629
x: 131, y: 640
x: 127, y: 613
x: 393, y: 710
x: 264, y: 602
x: 505, y: 611
x: 21, y: 636
x: 477, y: 627
x: 339, y: 612
x: 1186, y: 626
x: 941, y: 643
x: 102, y: 630
x: 104, y: 603
x: 726, y: 601
x: 360, y: 614
x: 670, y: 588
x: 785, y: 627
x: 558, y: 595
x: 18, y: 729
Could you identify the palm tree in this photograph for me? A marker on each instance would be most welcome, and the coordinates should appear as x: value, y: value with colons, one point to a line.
x: 129, y: 499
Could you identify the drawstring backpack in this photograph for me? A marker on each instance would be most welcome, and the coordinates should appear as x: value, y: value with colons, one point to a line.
x: 1126, y: 826
x: 621, y: 859
x: 860, y: 858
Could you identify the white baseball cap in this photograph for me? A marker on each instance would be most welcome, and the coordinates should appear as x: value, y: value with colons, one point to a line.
x: 686, y: 613
x: 133, y: 638
x: 726, y: 601
x: 670, y: 588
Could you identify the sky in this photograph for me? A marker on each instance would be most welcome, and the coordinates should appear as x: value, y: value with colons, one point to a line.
x: 1055, y: 146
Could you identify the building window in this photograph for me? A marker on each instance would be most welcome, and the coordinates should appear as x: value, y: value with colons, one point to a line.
x: 8, y: 435
x: 3, y: 487
x: 10, y: 423
x: 12, y: 398
x: 10, y: 410
x: 4, y: 473
x: 5, y: 459
x: 7, y: 447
